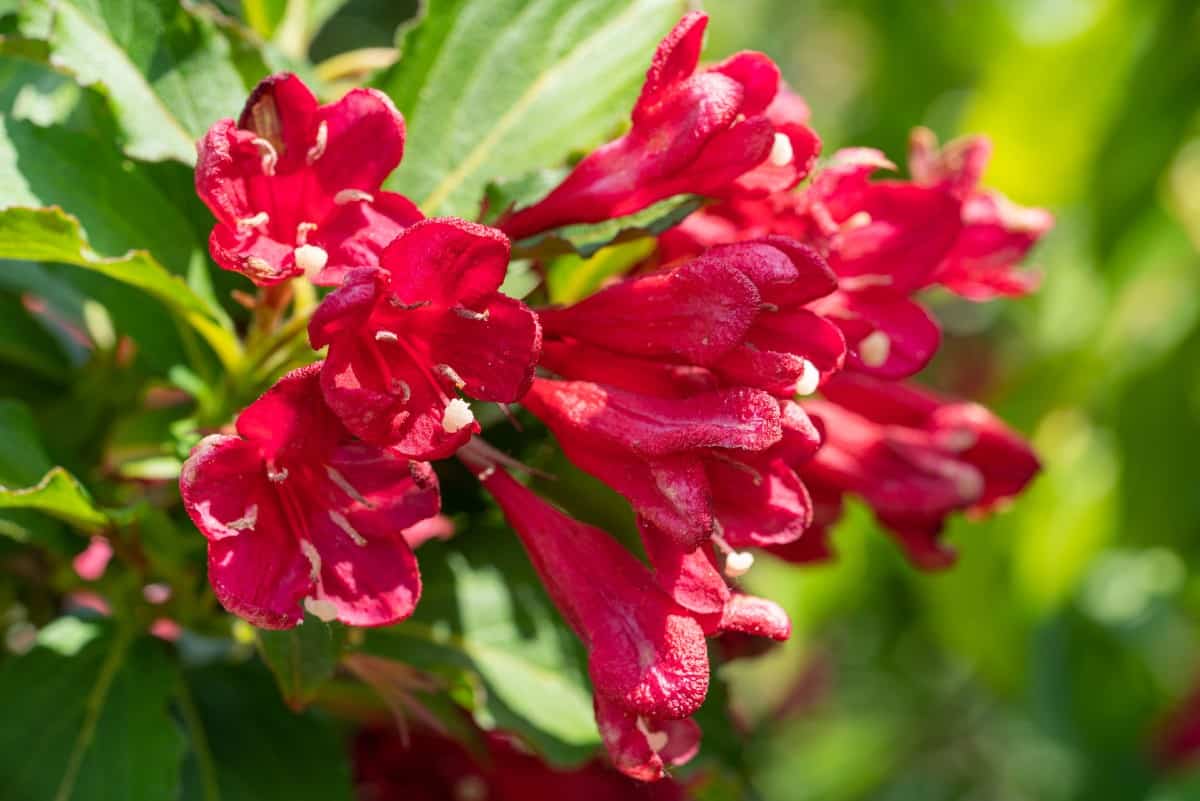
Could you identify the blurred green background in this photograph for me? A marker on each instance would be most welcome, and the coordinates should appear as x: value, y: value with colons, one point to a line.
x: 1040, y: 666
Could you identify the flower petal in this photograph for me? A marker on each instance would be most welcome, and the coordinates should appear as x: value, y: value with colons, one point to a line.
x: 493, y: 348
x: 446, y: 261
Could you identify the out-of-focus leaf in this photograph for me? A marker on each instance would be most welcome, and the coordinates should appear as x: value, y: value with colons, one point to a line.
x: 493, y: 619
x: 303, y: 658
x: 585, y: 239
x: 26, y: 343
x: 168, y: 70
x: 54, y: 236
x: 492, y: 88
x: 86, y: 718
x: 247, y: 746
x: 59, y: 495
x: 571, y: 278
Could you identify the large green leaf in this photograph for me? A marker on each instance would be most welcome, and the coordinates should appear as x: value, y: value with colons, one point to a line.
x: 23, y: 461
x: 169, y: 71
x: 490, y: 617
x: 59, y: 495
x: 247, y: 746
x: 86, y: 718
x: 494, y: 88
x: 302, y: 658
x: 54, y: 236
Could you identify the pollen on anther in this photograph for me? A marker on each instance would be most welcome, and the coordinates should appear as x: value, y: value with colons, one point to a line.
x: 457, y: 416
x: 269, y: 157
x: 386, y: 336
x: 451, y: 375
x: 874, y: 349
x: 738, y: 563
x: 781, y: 151
x: 810, y: 379
x: 253, y: 221
x: 311, y: 259
x: 352, y: 196
x: 318, y: 149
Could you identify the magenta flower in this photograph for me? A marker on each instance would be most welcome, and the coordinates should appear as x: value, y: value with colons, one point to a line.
x: 295, y: 186
x: 647, y: 657
x: 915, y: 458
x: 299, y: 515
x: 405, y: 337
x: 700, y: 132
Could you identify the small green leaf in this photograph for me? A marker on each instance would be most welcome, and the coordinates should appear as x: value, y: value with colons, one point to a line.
x: 169, y: 72
x: 585, y: 239
x: 571, y: 278
x: 491, y: 88
x: 303, y: 658
x: 59, y: 495
x: 52, y: 235
x: 86, y: 718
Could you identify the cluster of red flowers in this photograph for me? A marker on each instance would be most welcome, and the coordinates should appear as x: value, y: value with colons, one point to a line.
x: 734, y: 388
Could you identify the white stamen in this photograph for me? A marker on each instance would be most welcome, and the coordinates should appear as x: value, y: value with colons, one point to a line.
x: 859, y: 219
x: 253, y: 221
x: 810, y: 379
x: 302, y: 232
x: 470, y: 314
x: 341, y: 522
x: 259, y: 266
x: 958, y: 440
x: 352, y: 196
x: 874, y: 349
x: 247, y: 521
x: 318, y: 149
x: 394, y: 300
x: 781, y: 151
x: 314, y: 559
x: 738, y: 563
x: 346, y: 487
x: 277, y: 476
x: 400, y: 387
x: 458, y: 415
x: 451, y: 374
x: 311, y: 259
x: 269, y: 157
x: 321, y: 608
x: 487, y: 472
x: 385, y: 336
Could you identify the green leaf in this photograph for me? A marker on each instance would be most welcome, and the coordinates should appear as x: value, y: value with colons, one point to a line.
x: 491, y: 618
x: 247, y: 746
x: 501, y: 87
x: 585, y: 239
x: 571, y: 278
x: 169, y: 72
x: 86, y: 718
x: 303, y: 658
x: 59, y: 495
x: 55, y: 236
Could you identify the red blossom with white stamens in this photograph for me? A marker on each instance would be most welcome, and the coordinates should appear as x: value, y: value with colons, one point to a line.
x: 295, y: 186
x: 299, y: 515
x: 405, y: 338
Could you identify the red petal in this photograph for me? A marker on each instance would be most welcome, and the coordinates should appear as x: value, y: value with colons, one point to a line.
x: 690, y: 577
x: 365, y: 142
x: 758, y: 76
x: 373, y: 584
x: 674, y: 60
x: 756, y: 616
x: 290, y: 419
x: 446, y: 261
x: 282, y: 110
x: 582, y: 362
x: 495, y: 357
x: 910, y: 336
x: 759, y: 506
x: 355, y: 234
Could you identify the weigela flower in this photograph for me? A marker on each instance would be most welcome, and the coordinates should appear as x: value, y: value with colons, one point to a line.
x: 295, y: 185
x: 647, y: 657
x: 405, y: 337
x: 996, y: 233
x: 299, y: 515
x: 705, y: 132
x: 915, y: 458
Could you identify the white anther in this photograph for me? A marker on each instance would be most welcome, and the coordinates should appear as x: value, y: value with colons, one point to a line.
x: 738, y: 563
x: 259, y: 266
x: 318, y: 149
x: 277, y: 476
x: 471, y: 314
x: 314, y: 559
x: 385, y: 336
x: 451, y: 374
x: 859, y: 219
x: 874, y: 349
x: 487, y: 472
x: 269, y: 157
x: 352, y: 196
x: 321, y: 608
x: 345, y: 486
x: 781, y: 151
x: 457, y: 416
x: 311, y: 259
x: 302, y: 232
x: 253, y: 221
x: 400, y: 387
x: 341, y: 522
x: 958, y: 440
x: 247, y: 521
x: 810, y: 379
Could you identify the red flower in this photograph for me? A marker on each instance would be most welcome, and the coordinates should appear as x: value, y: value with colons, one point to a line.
x: 693, y: 132
x: 295, y: 185
x: 297, y: 511
x: 996, y: 233
x: 915, y: 458
x: 403, y: 338
x: 647, y: 657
